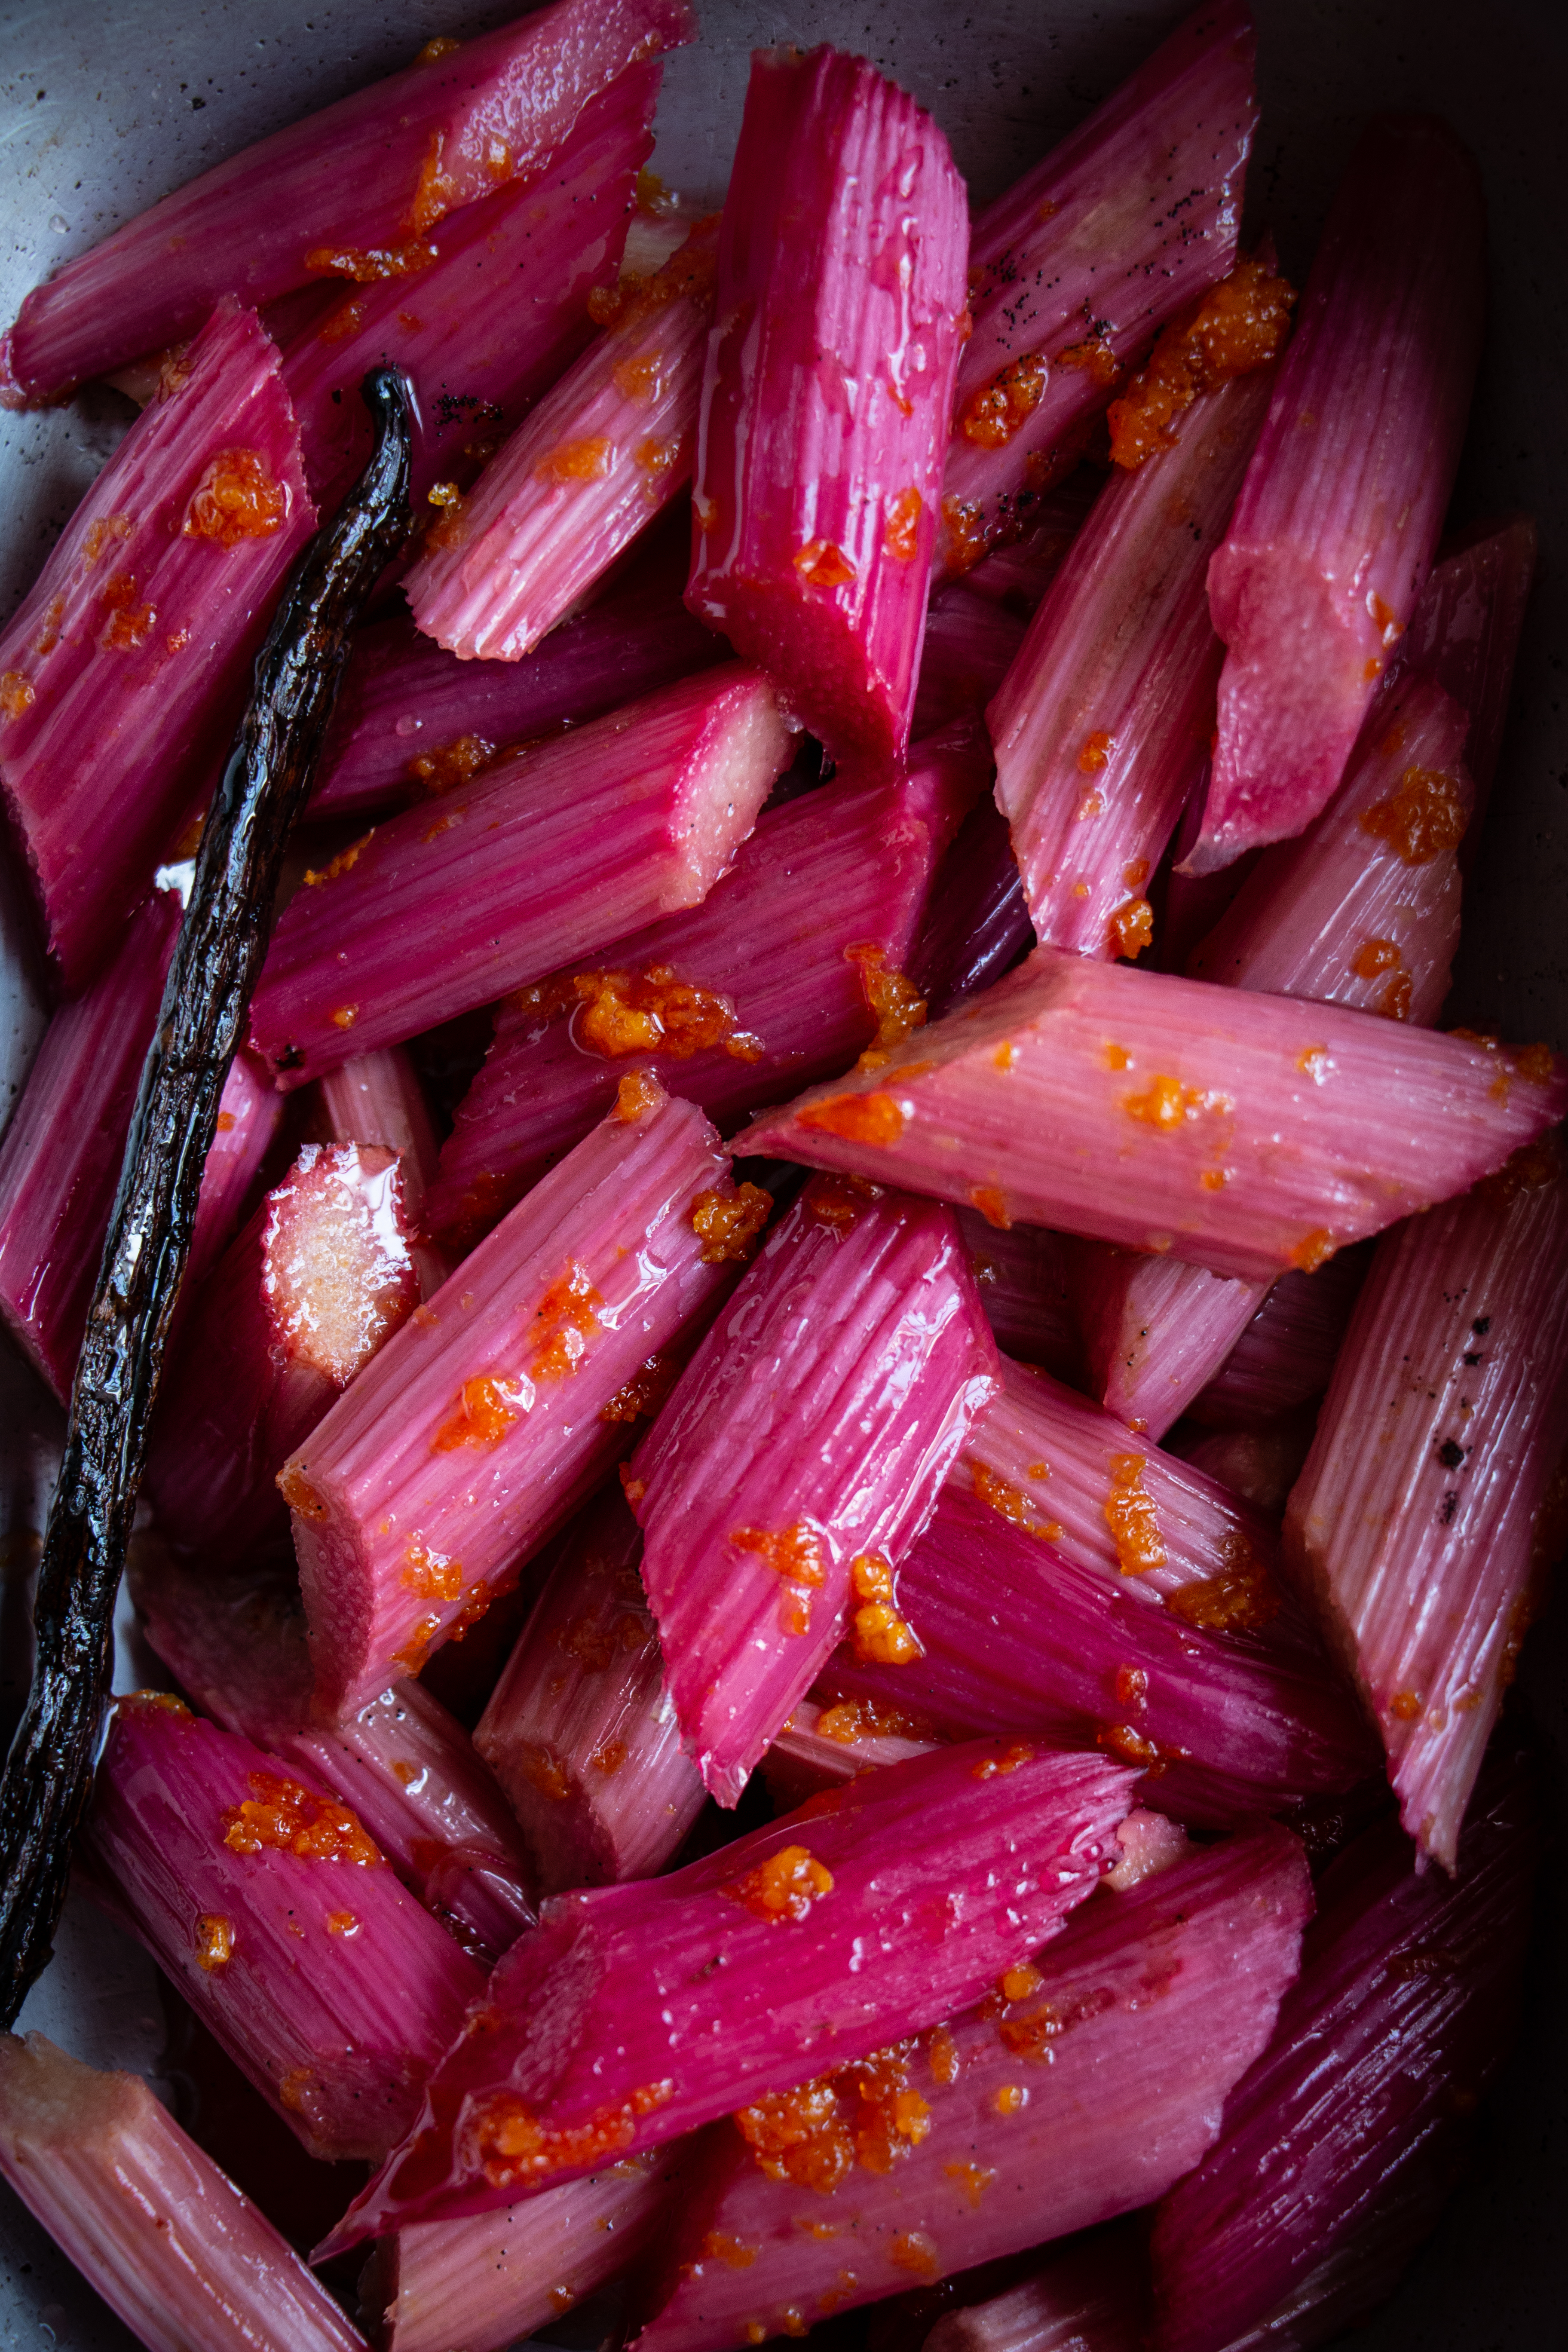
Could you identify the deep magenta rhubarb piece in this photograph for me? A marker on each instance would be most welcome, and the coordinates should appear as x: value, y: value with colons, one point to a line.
x: 187, y: 2262
x: 1247, y: 1133
x: 320, y: 1279
x: 1072, y: 2095
x: 1337, y: 519
x: 800, y: 1453
x: 970, y: 644
x: 1154, y: 1328
x: 1425, y: 1512
x: 1022, y: 1273
x: 1102, y: 724
x: 60, y: 1160
x: 497, y: 1408
x: 978, y: 925
x: 247, y: 1122
x: 1340, y: 2145
x: 557, y: 851
x: 132, y: 652
x: 822, y: 1745
x: 634, y: 2013
x: 580, y: 1730
x: 829, y: 381
x: 796, y: 962
x: 1287, y: 1352
x: 353, y: 192
x: 1074, y: 269
x: 601, y: 456
x: 274, y: 1913
x: 1465, y: 633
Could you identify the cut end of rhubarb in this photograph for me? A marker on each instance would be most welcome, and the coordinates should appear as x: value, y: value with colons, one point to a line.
x: 750, y: 743
x: 339, y: 1272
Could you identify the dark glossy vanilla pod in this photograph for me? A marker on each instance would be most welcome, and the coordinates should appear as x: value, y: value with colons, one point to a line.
x: 217, y: 960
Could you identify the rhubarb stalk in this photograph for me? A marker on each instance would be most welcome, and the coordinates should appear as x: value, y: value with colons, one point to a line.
x: 1154, y: 1328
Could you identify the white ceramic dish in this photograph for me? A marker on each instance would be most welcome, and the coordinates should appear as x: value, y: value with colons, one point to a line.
x: 101, y: 110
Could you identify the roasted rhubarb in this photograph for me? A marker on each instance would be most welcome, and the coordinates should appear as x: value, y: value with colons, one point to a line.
x: 495, y: 1410
x: 1246, y: 1133
x: 580, y: 1730
x: 978, y: 926
x: 863, y: 1918
x: 352, y: 192
x: 1154, y: 1328
x: 1084, y: 2297
x: 1023, y: 1273
x: 376, y: 1099
x: 1076, y: 266
x: 823, y: 1746
x: 1337, y: 519
x: 829, y: 381
x: 1464, y: 633
x: 248, y: 1119
x: 133, y: 649
x: 557, y: 851
x: 969, y: 643
x: 800, y: 1453
x: 1287, y: 1352
x: 276, y: 1915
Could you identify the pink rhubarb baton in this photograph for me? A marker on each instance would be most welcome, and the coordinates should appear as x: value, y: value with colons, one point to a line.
x: 829, y: 380
x: 353, y: 191
x: 1154, y: 1329
x: 978, y: 926
x: 1089, y: 2082
x: 1076, y: 266
x: 1337, y: 519
x: 821, y: 1746
x: 132, y: 652
x: 560, y: 849
x: 1087, y: 2297
x: 603, y: 451
x: 1287, y: 1352
x: 276, y: 1916
x: 376, y: 1099
x: 249, y: 1116
x: 1246, y: 1133
x: 970, y: 644
x: 1426, y: 1510
x: 800, y: 1453
x: 188, y: 2263
x: 1022, y: 1273
x: 482, y: 1424
x: 634, y: 2013
x: 1465, y: 633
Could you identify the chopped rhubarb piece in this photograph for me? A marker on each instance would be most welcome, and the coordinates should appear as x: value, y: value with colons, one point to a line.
x: 1428, y: 1505
x: 320, y: 1278
x: 559, y: 849
x: 1287, y: 1352
x: 247, y: 1121
x: 1363, y: 909
x: 835, y: 884
x: 353, y: 192
x: 1085, y: 2298
x: 978, y: 925
x: 1339, y: 2146
x: 1074, y: 2093
x: 1261, y: 1464
x: 580, y: 1730
x: 800, y: 1455
x: 492, y: 2279
x: 501, y: 307
x: 188, y: 2263
x: 598, y: 458
x: 828, y: 385
x: 1337, y: 519
x: 480, y: 1426
x: 1021, y: 1642
x: 133, y: 650
x: 1102, y: 724
x: 1022, y: 1273
x: 233, y: 1638
x: 822, y: 1745
x: 1193, y: 903
x: 376, y: 1099
x: 634, y: 2013
x: 1247, y: 1133
x: 60, y: 1160
x: 1154, y: 1328
x: 1076, y: 266
x: 968, y: 645
x: 1464, y: 633
x: 267, y: 1904
x: 1019, y: 573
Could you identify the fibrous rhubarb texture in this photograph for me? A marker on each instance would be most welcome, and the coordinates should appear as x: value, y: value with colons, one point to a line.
x: 636, y: 2012
x: 1428, y: 1510
x: 492, y: 2279
x: 1247, y: 1133
x: 800, y: 1453
x: 580, y: 1730
x: 502, y: 305
x: 1337, y: 519
x: 1084, y: 2297
x: 1019, y: 573
x: 274, y: 1913
x: 602, y: 453
x: 1074, y: 2093
x: 1465, y: 633
x: 1154, y: 1329
x: 376, y: 1099
x: 187, y: 2262
x: 969, y: 643
x: 248, y: 1119
x: 353, y: 191
x: 1338, y: 2147
x: 60, y: 1160
x: 1021, y: 1642
x: 1102, y: 724
x: 796, y: 962
x: 557, y: 851
x: 1287, y: 1352
x: 1074, y: 269
x: 133, y: 650
x: 318, y: 1281
x: 978, y: 925
x: 829, y: 381
x: 482, y: 1425
x: 1023, y: 1274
